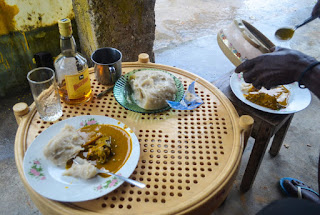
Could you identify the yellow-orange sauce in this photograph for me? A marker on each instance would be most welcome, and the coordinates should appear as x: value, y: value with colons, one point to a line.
x: 284, y: 33
x: 121, y: 145
x: 275, y: 99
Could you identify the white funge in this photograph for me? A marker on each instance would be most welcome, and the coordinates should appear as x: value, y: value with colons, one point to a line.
x: 81, y: 168
x: 64, y: 146
x: 151, y: 89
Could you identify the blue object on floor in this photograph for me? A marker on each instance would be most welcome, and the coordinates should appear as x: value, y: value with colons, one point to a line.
x: 290, y: 179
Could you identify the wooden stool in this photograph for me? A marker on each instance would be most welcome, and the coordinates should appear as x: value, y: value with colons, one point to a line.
x: 265, y: 126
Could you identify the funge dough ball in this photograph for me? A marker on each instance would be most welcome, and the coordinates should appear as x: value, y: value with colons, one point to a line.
x: 64, y: 146
x: 151, y: 89
x: 81, y: 168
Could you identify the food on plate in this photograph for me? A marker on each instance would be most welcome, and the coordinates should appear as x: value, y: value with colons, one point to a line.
x: 81, y: 168
x: 64, y: 146
x: 111, y: 150
x: 101, y: 150
x: 151, y: 88
x: 275, y: 98
x: 82, y: 151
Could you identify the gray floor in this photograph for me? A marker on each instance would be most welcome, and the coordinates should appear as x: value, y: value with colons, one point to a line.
x: 186, y: 38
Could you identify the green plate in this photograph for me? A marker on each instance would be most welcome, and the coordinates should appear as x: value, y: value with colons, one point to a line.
x: 123, y: 93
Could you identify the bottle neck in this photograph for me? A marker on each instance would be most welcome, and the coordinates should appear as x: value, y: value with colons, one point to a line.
x: 68, y: 45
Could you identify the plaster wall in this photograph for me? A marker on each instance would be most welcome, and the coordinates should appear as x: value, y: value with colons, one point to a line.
x: 27, y: 27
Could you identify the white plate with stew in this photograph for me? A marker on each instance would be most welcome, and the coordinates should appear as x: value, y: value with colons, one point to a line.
x: 299, y: 98
x: 48, y: 180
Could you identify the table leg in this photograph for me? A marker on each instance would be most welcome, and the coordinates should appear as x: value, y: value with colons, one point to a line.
x: 256, y: 156
x: 279, y: 137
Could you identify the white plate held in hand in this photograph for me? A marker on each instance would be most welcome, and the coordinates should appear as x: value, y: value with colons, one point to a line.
x: 299, y: 98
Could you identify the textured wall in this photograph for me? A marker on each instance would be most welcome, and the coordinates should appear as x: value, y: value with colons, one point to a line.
x: 27, y: 27
x: 126, y: 25
x: 30, y: 26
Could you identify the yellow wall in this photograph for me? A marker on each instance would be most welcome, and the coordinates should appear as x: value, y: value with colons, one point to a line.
x: 26, y: 15
x: 27, y: 27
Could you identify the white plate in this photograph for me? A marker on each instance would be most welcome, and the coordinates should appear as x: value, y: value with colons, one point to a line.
x: 47, y: 179
x: 299, y: 98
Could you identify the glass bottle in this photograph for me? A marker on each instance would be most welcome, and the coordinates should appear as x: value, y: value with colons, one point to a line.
x: 71, y: 68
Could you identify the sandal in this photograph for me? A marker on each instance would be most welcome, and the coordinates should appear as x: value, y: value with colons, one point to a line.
x: 294, y: 188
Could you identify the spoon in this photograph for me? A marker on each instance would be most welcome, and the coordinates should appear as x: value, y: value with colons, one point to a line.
x: 131, y: 181
x: 287, y: 33
x: 136, y: 183
x: 104, y: 92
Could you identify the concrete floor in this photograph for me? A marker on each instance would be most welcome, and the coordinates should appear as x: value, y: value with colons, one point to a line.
x: 186, y: 38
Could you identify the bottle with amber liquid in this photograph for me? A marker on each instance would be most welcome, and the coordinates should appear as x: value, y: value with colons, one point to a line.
x: 71, y: 68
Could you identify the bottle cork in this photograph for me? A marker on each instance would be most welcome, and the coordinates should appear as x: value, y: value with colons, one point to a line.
x: 65, y: 27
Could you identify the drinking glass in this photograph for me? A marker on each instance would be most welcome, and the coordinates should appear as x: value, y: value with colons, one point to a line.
x: 45, y: 93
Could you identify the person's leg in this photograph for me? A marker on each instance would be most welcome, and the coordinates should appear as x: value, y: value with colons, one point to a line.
x: 292, y: 206
x: 319, y: 174
x: 295, y: 188
x: 291, y: 187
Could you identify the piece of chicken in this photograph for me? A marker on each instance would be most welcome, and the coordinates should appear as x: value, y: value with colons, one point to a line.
x: 101, y: 150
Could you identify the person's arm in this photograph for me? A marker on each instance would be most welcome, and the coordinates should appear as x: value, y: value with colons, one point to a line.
x: 282, y: 66
x: 312, y: 80
x: 316, y: 9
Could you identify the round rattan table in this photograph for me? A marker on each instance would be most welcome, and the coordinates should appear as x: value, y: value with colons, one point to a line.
x: 188, y: 159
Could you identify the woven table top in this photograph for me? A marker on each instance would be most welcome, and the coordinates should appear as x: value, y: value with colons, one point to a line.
x: 188, y: 159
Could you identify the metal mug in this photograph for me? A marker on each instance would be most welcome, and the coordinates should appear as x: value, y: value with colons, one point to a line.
x: 107, y: 65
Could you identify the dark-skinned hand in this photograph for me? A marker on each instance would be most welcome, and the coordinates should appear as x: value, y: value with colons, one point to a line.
x: 281, y: 66
x: 316, y: 10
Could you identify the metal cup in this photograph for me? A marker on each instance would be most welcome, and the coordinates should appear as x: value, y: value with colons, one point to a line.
x: 107, y: 65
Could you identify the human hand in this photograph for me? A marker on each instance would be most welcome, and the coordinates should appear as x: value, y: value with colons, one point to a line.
x: 282, y: 66
x: 316, y: 10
